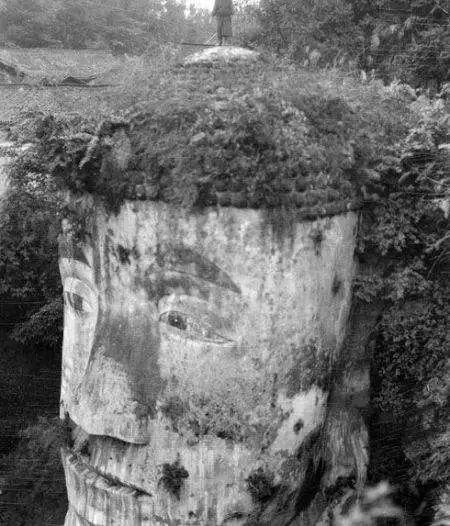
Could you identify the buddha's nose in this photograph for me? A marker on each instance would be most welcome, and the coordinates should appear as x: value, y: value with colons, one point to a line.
x: 118, y: 393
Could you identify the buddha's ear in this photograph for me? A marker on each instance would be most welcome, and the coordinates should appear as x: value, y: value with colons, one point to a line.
x: 345, y: 432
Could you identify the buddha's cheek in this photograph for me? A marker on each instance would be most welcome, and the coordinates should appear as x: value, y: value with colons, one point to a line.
x: 77, y: 344
x: 210, y: 389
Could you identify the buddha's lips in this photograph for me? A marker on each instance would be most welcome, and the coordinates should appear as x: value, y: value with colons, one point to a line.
x: 94, y: 499
x: 106, y: 477
x: 92, y: 495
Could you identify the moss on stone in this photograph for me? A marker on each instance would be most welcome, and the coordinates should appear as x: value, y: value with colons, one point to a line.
x: 258, y: 135
x: 260, y: 485
x: 175, y: 409
x: 172, y: 477
x: 312, y: 367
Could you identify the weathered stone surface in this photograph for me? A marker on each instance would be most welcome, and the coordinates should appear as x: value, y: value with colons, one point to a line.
x: 198, y: 357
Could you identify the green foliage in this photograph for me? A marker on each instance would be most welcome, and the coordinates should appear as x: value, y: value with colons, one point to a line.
x: 398, y: 39
x: 411, y: 354
x: 120, y: 25
x: 406, y: 40
x: 413, y: 367
x: 29, y: 225
x: 33, y: 485
x: 42, y: 328
x: 319, y: 31
x: 405, y: 238
x: 250, y: 135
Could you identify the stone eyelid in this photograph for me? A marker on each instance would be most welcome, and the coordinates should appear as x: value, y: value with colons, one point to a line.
x: 188, y: 326
x: 81, y: 297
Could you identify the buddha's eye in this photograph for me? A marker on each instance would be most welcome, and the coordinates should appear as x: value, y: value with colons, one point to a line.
x: 79, y: 298
x: 192, y: 327
x: 176, y: 319
x: 77, y: 303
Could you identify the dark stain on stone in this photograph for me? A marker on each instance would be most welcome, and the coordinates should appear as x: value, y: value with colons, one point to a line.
x: 157, y: 285
x: 174, y: 409
x: 66, y: 427
x: 277, y: 511
x: 282, y: 223
x: 349, y: 503
x: 317, y: 237
x: 172, y: 478
x: 309, y: 454
x: 273, y: 401
x: 260, y: 486
x: 302, y: 475
x: 226, y: 434
x: 311, y: 485
x: 212, y: 510
x: 133, y: 343
x: 339, y: 488
x: 189, y: 262
x: 312, y: 367
x: 125, y: 253
x: 298, y: 426
x: 235, y: 516
x: 309, y: 444
x: 85, y: 448
x: 337, y: 285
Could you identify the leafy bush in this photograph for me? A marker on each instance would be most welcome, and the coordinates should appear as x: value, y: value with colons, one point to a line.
x: 406, y: 40
x: 29, y: 225
x: 312, y: 31
x: 252, y: 135
x: 43, y: 328
x: 405, y: 238
x: 33, y: 486
x: 398, y: 39
x: 121, y: 26
x: 412, y: 363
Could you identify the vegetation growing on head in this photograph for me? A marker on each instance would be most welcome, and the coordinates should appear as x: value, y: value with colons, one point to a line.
x: 258, y: 135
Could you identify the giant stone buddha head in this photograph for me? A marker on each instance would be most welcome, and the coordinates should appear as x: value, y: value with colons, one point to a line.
x: 198, y: 358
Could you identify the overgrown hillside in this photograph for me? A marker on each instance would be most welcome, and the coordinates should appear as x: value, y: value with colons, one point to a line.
x: 393, y: 39
x: 122, y: 26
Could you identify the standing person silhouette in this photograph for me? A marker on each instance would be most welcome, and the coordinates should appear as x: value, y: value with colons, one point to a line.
x: 223, y: 10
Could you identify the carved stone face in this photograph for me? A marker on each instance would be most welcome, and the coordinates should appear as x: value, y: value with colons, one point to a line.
x: 197, y: 359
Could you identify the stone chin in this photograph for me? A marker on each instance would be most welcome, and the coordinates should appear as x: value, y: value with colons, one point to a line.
x: 93, y: 497
x: 105, y: 478
x: 197, y: 356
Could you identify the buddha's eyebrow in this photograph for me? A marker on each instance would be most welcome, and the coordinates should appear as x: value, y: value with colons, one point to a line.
x: 187, y: 261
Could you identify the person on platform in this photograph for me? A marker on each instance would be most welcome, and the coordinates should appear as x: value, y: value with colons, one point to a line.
x: 223, y: 10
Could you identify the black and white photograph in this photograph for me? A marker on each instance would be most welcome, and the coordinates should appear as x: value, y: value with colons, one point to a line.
x: 224, y: 263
